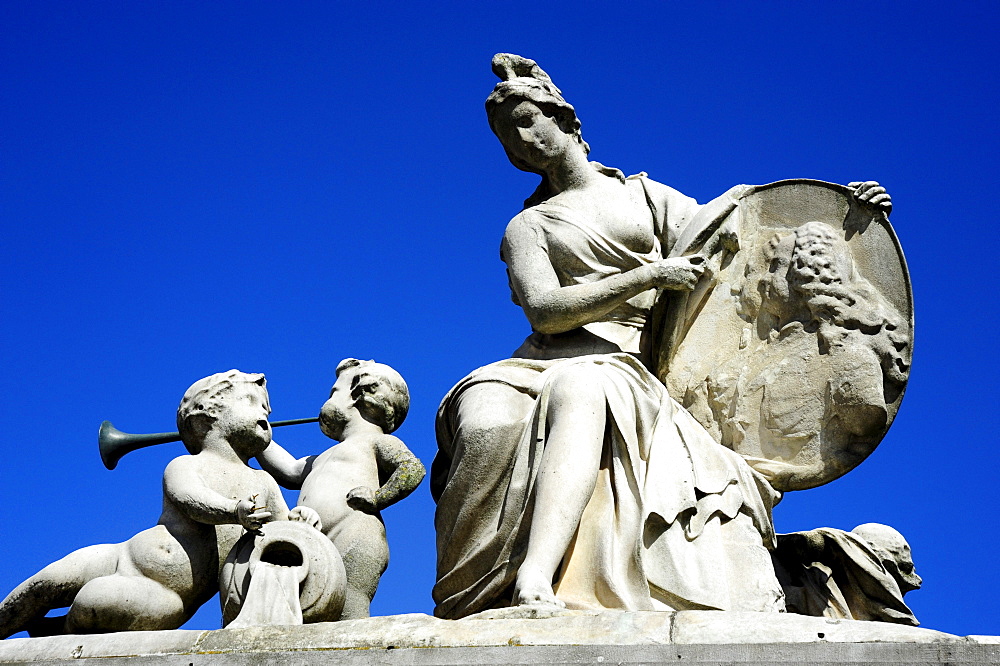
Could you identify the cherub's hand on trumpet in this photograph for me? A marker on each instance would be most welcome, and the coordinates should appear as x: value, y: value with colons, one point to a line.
x: 251, y: 516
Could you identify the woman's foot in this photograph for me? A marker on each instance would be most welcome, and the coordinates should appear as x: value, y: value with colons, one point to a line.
x: 534, y: 589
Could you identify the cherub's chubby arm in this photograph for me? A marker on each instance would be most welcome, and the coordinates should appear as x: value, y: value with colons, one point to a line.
x: 406, y: 474
x: 185, y: 488
x: 288, y: 470
x: 276, y: 503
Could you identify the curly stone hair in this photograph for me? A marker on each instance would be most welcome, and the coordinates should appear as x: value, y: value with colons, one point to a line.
x: 206, y: 397
x: 379, y: 393
x: 823, y: 273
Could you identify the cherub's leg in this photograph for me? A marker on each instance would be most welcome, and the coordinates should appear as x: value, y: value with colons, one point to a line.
x: 365, y: 560
x: 357, y: 604
x: 124, y: 603
x: 577, y: 418
x: 55, y: 586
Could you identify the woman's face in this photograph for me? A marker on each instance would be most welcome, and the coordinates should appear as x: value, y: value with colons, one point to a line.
x: 531, y: 135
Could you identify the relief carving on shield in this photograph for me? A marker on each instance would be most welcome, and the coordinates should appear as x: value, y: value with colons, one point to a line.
x: 795, y: 350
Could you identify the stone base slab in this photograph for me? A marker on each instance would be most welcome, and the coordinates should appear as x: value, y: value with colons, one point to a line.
x: 525, y: 636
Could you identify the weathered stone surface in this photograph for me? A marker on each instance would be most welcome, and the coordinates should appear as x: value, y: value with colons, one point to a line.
x: 368, y: 401
x: 858, y: 575
x: 569, y: 461
x: 686, y: 361
x: 286, y: 573
x: 796, y: 352
x: 214, y: 500
x: 547, y: 636
x: 159, y: 578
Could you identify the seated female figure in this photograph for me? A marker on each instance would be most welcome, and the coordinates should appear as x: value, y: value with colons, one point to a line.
x: 566, y: 475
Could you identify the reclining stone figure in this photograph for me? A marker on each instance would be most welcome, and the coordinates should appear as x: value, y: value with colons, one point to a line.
x: 859, y: 575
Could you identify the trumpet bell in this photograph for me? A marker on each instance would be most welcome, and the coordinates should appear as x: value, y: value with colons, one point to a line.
x: 113, y: 443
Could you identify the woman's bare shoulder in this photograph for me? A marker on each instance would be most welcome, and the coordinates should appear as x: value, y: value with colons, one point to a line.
x: 523, y: 232
x: 660, y: 193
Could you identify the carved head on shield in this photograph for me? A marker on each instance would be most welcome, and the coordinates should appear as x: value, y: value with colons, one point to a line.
x: 812, y: 278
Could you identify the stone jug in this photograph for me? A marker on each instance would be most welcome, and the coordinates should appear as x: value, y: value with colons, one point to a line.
x: 299, y: 576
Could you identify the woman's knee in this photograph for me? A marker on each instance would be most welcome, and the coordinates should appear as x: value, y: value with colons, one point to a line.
x: 492, y: 405
x: 577, y: 384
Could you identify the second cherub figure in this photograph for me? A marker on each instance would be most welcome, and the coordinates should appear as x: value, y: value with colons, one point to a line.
x: 344, y: 484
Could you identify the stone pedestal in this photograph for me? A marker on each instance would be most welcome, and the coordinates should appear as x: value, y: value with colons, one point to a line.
x: 516, y: 636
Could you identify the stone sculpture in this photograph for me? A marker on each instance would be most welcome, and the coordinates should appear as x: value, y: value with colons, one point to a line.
x: 796, y: 352
x: 161, y: 576
x: 285, y: 573
x: 858, y: 575
x: 570, y: 475
x: 687, y: 365
x: 350, y: 483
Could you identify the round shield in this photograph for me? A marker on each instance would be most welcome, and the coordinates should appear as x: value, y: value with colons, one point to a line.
x: 794, y: 349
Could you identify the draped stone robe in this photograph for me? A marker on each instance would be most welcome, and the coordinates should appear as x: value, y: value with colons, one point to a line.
x: 675, y: 520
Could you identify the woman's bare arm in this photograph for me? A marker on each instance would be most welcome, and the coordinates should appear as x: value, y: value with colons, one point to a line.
x: 552, y: 308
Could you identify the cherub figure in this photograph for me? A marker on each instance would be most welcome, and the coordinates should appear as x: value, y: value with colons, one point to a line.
x: 161, y: 576
x: 351, y: 482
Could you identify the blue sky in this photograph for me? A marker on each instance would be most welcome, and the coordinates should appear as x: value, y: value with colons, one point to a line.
x: 186, y: 189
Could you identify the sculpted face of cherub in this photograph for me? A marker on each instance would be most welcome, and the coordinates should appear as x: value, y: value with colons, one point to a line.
x: 365, y: 391
x: 226, y: 409
x: 243, y: 419
x: 339, y: 407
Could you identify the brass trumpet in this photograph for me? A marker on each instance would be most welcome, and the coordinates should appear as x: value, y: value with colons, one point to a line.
x: 113, y: 443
